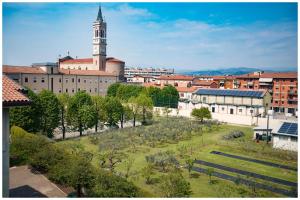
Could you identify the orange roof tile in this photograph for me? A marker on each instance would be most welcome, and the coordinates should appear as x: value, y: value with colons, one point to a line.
x: 22, y: 69
x: 78, y: 61
x: 85, y: 72
x: 202, y: 82
x: 186, y: 89
x: 12, y: 93
x: 176, y: 77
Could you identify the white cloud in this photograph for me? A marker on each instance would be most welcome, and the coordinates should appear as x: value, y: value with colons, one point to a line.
x: 131, y: 11
x: 138, y: 37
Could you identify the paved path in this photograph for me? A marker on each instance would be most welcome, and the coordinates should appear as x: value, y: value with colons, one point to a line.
x: 247, y: 173
x: 248, y: 182
x: 24, y: 183
x: 254, y: 160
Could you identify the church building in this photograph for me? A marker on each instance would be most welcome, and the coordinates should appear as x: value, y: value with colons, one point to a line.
x: 70, y: 75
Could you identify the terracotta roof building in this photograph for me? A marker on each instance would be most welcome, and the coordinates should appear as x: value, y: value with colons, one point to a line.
x: 13, y: 94
x: 48, y: 76
x: 283, y: 86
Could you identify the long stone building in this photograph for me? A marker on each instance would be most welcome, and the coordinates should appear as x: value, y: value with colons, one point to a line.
x: 70, y: 75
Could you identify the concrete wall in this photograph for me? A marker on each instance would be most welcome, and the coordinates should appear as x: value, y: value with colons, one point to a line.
x: 285, y: 143
x: 242, y: 118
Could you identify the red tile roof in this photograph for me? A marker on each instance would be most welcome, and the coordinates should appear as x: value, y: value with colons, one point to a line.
x: 85, y: 72
x: 202, y: 82
x: 12, y: 93
x: 223, y: 77
x: 22, y: 69
x: 78, y: 61
x: 176, y: 77
x: 186, y: 89
x: 111, y: 59
x: 270, y: 75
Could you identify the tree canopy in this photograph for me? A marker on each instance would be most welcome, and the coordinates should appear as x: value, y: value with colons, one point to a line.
x: 49, y: 105
x: 28, y: 117
x: 81, y: 112
x: 201, y: 113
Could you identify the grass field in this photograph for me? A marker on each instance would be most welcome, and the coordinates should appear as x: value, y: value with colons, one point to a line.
x: 202, y: 140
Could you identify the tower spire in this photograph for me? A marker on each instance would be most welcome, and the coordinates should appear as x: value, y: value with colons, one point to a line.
x: 99, y: 17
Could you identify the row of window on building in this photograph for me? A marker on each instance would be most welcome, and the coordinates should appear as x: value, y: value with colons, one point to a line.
x: 73, y: 90
x: 34, y: 80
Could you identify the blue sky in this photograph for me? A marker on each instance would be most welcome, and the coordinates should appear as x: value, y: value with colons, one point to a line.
x: 190, y: 36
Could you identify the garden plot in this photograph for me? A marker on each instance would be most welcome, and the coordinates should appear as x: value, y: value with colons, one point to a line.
x: 254, y: 160
x: 247, y: 173
x: 171, y: 141
x: 247, y: 182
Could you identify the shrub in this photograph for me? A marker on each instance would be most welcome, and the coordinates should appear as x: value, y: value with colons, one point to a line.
x: 174, y: 185
x: 163, y: 160
x: 110, y: 185
x: 233, y: 135
x: 47, y: 157
x: 24, y: 145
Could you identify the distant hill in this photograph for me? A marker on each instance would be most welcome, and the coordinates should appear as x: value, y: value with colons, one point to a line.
x: 228, y: 71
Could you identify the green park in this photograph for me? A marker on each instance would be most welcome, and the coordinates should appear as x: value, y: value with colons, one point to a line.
x: 157, y: 155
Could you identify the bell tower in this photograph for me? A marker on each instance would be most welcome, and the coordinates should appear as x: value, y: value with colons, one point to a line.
x: 99, y: 42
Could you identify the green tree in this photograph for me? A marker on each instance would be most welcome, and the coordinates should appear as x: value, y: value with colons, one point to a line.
x: 134, y: 108
x: 113, y: 89
x: 126, y: 91
x: 169, y: 96
x: 99, y: 105
x: 145, y: 105
x: 50, y: 112
x: 174, y: 185
x: 81, y: 112
x: 190, y: 164
x: 201, y: 113
x: 113, y: 109
x: 63, y: 105
x: 126, y: 113
x: 27, y: 117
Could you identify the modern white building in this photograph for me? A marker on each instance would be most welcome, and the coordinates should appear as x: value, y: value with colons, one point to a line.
x: 286, y: 136
x: 233, y: 102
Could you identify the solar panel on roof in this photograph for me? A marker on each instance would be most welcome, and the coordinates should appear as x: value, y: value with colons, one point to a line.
x: 289, y: 128
x: 239, y: 93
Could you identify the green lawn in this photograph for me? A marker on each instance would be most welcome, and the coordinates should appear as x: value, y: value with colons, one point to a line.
x: 210, y: 140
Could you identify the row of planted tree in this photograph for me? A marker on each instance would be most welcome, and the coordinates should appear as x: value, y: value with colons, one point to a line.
x: 83, y: 111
